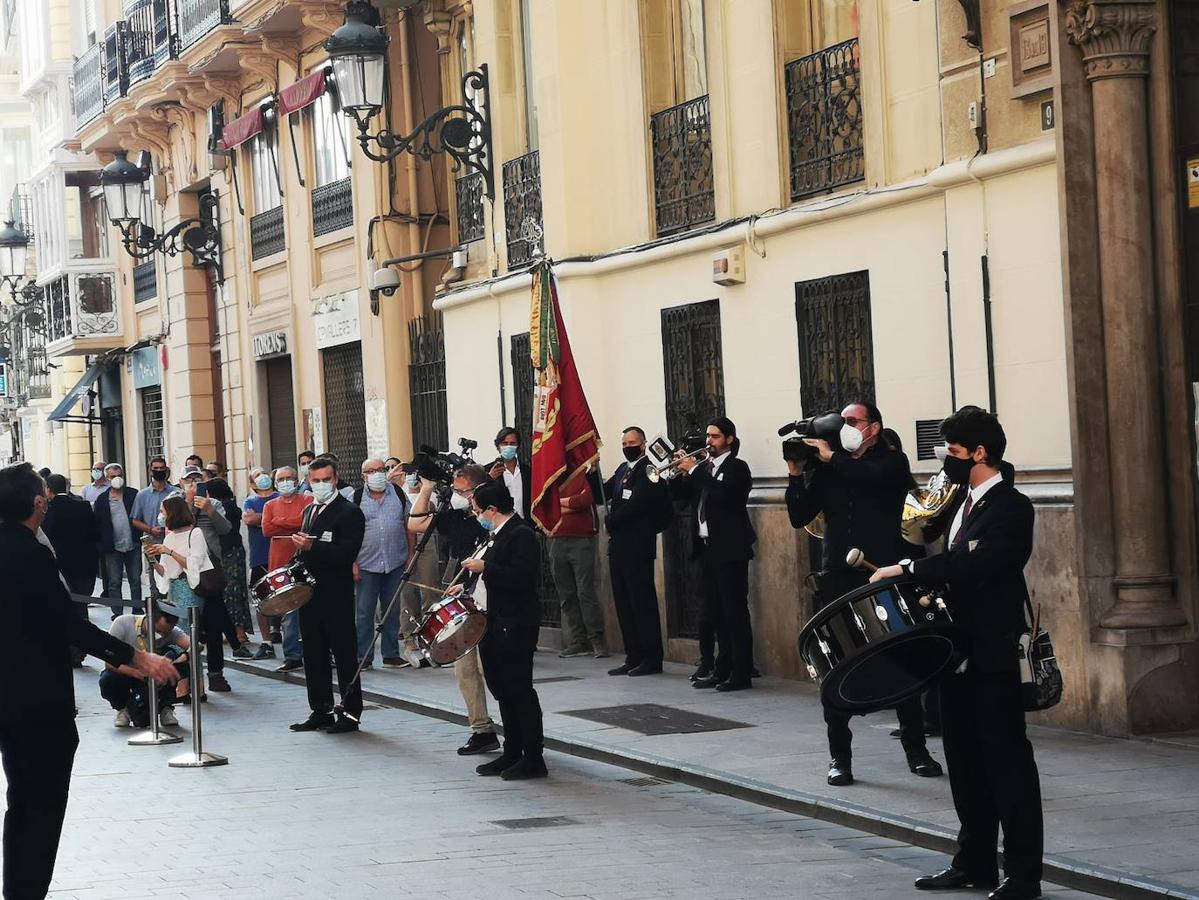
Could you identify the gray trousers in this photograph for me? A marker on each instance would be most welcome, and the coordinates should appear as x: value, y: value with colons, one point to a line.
x: 572, y: 561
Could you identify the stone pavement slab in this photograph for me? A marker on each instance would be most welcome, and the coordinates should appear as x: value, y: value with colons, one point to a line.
x: 392, y: 811
x: 1125, y: 809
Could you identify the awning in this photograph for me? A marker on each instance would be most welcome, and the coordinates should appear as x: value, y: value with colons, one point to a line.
x: 303, y: 93
x: 62, y: 412
x: 242, y: 129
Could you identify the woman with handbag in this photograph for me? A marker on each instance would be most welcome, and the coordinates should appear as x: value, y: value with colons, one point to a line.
x: 180, y: 563
x: 233, y: 563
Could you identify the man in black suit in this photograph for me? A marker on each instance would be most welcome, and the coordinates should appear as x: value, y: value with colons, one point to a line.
x: 635, y: 512
x: 724, y: 544
x: 328, y: 543
x: 860, y: 488
x: 506, y: 573
x: 992, y: 771
x: 38, y: 625
x: 509, y: 471
x: 71, y: 527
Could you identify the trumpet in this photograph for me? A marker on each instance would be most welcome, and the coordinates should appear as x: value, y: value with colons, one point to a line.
x: 671, y: 469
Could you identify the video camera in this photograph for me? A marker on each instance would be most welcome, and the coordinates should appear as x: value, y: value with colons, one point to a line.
x: 825, y: 427
x: 439, y: 466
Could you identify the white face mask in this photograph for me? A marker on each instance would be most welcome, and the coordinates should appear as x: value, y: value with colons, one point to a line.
x: 286, y: 488
x: 118, y: 482
x: 376, y: 481
x: 457, y: 501
x: 851, y: 438
x: 323, y: 491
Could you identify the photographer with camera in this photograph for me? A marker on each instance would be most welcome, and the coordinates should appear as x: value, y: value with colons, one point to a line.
x: 511, y: 472
x: 860, y: 486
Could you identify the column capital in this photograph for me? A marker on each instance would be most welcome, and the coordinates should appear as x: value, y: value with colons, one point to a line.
x: 1113, y: 35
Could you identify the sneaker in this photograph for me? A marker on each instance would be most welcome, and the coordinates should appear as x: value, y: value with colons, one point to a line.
x: 483, y: 742
x: 243, y: 652
x: 290, y: 665
x: 394, y: 662
x: 574, y: 650
x: 167, y: 719
x: 217, y: 682
x: 121, y: 720
x: 600, y: 652
x: 264, y: 651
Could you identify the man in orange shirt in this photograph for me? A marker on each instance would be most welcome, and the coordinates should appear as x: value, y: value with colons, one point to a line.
x: 281, y: 518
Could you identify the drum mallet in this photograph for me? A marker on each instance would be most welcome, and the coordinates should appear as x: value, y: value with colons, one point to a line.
x: 856, y: 559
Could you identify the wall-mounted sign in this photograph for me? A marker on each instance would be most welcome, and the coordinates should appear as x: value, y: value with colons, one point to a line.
x: 272, y: 343
x: 1048, y: 116
x: 3, y: 379
x: 146, y: 368
x: 1031, y: 48
x: 314, y: 432
x: 1193, y: 183
x: 335, y: 320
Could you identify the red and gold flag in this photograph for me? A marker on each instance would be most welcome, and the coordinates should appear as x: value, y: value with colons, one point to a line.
x: 565, y: 439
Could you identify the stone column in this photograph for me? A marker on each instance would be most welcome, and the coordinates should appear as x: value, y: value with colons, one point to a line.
x: 1114, y: 37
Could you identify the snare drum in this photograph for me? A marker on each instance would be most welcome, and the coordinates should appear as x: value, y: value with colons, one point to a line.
x: 879, y: 644
x: 282, y: 590
x: 450, y: 629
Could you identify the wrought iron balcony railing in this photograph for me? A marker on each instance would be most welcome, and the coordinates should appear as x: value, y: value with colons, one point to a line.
x: 199, y: 17
x: 824, y: 119
x: 145, y: 281
x: 266, y: 233
x: 681, y: 139
x: 80, y: 307
x: 522, y: 208
x: 469, y: 193
x: 116, y: 71
x: 139, y: 40
x: 88, y: 95
x: 332, y: 207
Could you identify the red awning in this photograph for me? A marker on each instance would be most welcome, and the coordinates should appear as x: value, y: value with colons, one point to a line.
x: 304, y: 92
x: 242, y: 129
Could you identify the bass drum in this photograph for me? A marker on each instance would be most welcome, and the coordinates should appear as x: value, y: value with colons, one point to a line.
x: 879, y: 644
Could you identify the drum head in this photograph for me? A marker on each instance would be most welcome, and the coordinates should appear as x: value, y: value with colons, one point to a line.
x: 286, y: 600
x: 457, y: 638
x: 892, y: 670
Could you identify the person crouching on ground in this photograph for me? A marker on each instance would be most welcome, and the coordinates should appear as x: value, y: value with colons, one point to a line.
x: 124, y: 687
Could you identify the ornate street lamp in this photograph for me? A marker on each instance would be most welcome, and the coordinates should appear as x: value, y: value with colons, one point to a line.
x: 124, y: 189
x: 358, y: 52
x: 14, y: 246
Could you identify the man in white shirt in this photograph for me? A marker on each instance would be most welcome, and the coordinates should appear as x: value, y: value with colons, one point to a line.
x: 516, y: 476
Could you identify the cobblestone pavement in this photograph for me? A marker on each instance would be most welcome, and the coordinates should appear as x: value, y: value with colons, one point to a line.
x: 393, y: 812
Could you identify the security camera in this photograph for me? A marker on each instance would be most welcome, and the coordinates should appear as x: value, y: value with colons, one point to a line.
x: 385, y: 281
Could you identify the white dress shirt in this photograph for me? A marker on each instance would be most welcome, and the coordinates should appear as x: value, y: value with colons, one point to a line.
x: 976, y: 494
x: 515, y: 485
x: 717, y: 461
x: 479, y: 595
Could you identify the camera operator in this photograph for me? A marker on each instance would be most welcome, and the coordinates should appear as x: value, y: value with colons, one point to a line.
x: 463, y: 532
x: 860, y: 488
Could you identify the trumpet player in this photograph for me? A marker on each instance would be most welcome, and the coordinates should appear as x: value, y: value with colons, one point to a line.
x: 719, y: 488
x: 860, y: 488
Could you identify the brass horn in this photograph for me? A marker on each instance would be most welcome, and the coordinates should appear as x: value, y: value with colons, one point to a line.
x: 923, y: 505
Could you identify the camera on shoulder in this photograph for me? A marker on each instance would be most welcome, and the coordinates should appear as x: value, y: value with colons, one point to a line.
x: 824, y: 427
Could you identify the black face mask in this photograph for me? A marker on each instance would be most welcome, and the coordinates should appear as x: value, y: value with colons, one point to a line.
x: 631, y: 453
x: 160, y: 474
x: 958, y: 470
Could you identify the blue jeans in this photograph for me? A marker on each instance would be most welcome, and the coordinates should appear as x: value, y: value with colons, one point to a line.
x: 375, y: 591
x: 119, y: 566
x: 292, y: 648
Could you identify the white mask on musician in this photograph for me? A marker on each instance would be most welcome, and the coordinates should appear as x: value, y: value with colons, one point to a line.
x: 851, y: 438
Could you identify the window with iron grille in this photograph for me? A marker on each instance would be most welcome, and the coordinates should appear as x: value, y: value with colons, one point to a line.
x: 836, y: 348
x: 145, y: 281
x: 345, y: 407
x: 522, y: 208
x: 153, y: 431
x: 267, y: 236
x: 426, y: 382
x: 332, y: 207
x: 824, y: 119
x: 681, y: 140
x: 694, y: 370
x: 522, y: 404
x: 468, y: 192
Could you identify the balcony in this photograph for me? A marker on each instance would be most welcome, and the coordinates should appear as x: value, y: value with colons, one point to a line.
x: 332, y: 207
x: 266, y: 233
x: 681, y: 140
x: 150, y: 38
x: 28, y: 369
x: 468, y: 191
x: 522, y: 209
x: 82, y: 314
x: 116, y: 72
x: 89, y: 86
x: 199, y: 17
x: 824, y: 120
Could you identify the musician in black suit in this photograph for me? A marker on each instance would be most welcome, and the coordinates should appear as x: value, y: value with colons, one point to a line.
x: 992, y: 771
x: 635, y: 512
x: 506, y: 574
x: 38, y: 738
x: 724, y: 544
x: 509, y: 471
x: 328, y: 543
x: 860, y: 489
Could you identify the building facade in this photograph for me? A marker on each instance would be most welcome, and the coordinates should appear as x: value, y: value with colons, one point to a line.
x: 757, y: 208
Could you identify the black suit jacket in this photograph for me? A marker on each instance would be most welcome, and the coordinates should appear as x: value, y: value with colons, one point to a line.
x: 512, y: 574
x: 725, y: 498
x: 862, y: 501
x: 984, y: 574
x: 71, y: 527
x: 631, y: 520
x: 38, y: 626
x: 337, y: 530
x: 104, y: 517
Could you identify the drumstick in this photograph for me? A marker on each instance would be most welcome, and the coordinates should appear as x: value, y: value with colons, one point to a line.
x: 856, y: 559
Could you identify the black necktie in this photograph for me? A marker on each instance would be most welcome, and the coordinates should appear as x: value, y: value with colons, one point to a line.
x: 703, y: 496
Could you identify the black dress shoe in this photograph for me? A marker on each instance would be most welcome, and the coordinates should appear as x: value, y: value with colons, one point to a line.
x: 646, y: 669
x: 525, y: 768
x: 734, y: 684
x: 290, y: 665
x: 952, y: 879
x: 924, y: 765
x: 343, y: 725
x: 710, y: 682
x: 701, y: 673
x: 315, y: 722
x: 1011, y: 889
x: 840, y: 773
x: 497, y: 765
x: 484, y: 742
x: 622, y: 669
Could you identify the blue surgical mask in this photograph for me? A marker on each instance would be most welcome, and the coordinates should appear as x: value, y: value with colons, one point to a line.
x: 262, y: 482
x: 162, y: 520
x: 286, y: 487
x: 303, y: 471
x: 376, y: 481
x: 411, y: 480
x: 487, y: 524
x: 323, y: 491
x: 508, y: 452
x: 97, y: 474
